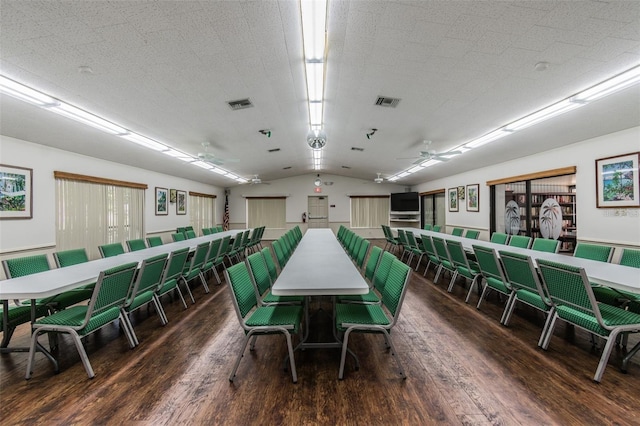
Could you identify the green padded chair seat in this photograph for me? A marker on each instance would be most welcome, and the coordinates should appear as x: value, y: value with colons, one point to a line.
x: 140, y: 300
x: 271, y: 298
x: 370, y: 297
x: 20, y: 314
x: 349, y: 313
x: 531, y: 298
x: 497, y: 285
x: 287, y: 316
x: 611, y: 316
x: 74, y: 317
x: 64, y: 300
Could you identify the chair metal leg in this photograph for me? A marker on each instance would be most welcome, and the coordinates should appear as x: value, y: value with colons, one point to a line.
x: 240, y: 355
x: 604, y: 358
x: 204, y: 282
x: 83, y: 355
x: 345, y: 341
x: 477, y: 281
x: 452, y: 280
x: 292, y: 363
x: 510, y: 301
x: 484, y: 292
x: 552, y: 324
x: 630, y: 354
x: 160, y: 309
x: 394, y: 353
x: 186, y: 284
x: 545, y: 329
x: 128, y: 330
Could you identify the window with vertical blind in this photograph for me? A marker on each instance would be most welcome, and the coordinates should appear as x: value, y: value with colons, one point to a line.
x: 202, y: 209
x: 92, y: 211
x: 267, y: 211
x: 369, y: 211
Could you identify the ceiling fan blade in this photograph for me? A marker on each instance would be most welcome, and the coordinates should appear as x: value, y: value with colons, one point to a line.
x: 407, y: 158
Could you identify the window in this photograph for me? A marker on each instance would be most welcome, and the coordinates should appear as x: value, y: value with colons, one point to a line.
x: 94, y: 211
x: 267, y: 211
x: 202, y: 209
x: 369, y: 211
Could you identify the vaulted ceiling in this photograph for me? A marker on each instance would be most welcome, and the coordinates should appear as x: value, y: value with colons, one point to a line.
x: 460, y: 69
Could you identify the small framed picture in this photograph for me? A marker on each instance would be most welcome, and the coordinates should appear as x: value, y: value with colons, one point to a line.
x: 617, y: 181
x: 172, y: 196
x: 461, y: 193
x: 162, y: 201
x: 453, y: 199
x: 181, y: 202
x: 16, y: 192
x: 473, y: 198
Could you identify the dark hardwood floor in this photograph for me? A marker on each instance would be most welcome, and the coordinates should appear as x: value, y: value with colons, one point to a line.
x: 463, y: 367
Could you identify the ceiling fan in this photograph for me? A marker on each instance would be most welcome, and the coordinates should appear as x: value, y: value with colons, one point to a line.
x: 210, y: 157
x: 255, y: 180
x: 430, y: 154
x: 379, y: 179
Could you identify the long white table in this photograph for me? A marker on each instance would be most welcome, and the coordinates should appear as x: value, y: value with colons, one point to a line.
x: 319, y: 266
x: 607, y: 274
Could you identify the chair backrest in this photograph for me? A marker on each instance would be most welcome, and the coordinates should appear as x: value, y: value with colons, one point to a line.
x: 109, y: 250
x: 594, y: 252
x: 147, y: 280
x: 280, y: 256
x: 237, y: 241
x: 242, y: 290
x: 111, y: 290
x: 521, y: 273
x: 395, y: 288
x: 382, y: 271
x: 362, y: 252
x: 214, y: 250
x: 411, y: 240
x: 224, y: 248
x: 190, y: 233
x: 220, y: 228
x: 175, y: 265
x: 402, y: 237
x: 489, y: 265
x: 70, y: 257
x: 259, y: 272
x: 178, y: 236
x: 271, y: 265
x: 354, y: 245
x: 27, y: 265
x: 372, y: 262
x: 457, y: 232
x: 206, y: 231
x: 427, y: 227
x: 154, y: 241
x: 457, y: 254
x: 199, y: 256
x: 135, y: 245
x: 427, y: 245
x: 188, y: 228
x: 499, y: 238
x: 569, y: 286
x: 522, y: 241
x: 472, y: 233
x: 630, y: 257
x: 181, y: 230
x: 437, y: 228
x: 441, y: 249
x: 546, y: 245
x: 245, y: 238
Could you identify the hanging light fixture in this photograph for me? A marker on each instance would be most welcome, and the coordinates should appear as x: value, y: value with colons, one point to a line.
x: 318, y: 181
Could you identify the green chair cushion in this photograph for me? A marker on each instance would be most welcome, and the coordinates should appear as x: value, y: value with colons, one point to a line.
x: 271, y: 298
x: 349, y: 313
x: 496, y: 284
x: 611, y: 316
x: 370, y: 297
x: 532, y: 299
x: 276, y: 315
x: 74, y: 318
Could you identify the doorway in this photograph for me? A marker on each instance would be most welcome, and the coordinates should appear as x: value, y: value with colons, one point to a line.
x: 318, y: 210
x: 434, y: 208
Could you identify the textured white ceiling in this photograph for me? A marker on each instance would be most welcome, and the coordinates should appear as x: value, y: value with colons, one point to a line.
x: 461, y: 68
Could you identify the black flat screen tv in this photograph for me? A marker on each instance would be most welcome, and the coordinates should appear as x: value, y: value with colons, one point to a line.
x: 405, y: 202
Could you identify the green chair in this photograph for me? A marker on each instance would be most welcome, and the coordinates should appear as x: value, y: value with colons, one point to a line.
x: 571, y: 292
x: 350, y: 317
x: 499, y: 238
x: 11, y: 317
x: 414, y: 249
x: 362, y: 253
x: 472, y: 234
x: 594, y: 252
x: 391, y: 241
x: 154, y: 241
x: 271, y: 264
x: 427, y: 247
x: 546, y: 245
x: 378, y: 278
x: 236, y: 248
x: 262, y: 283
x: 279, y: 251
x: 457, y: 232
x: 404, y: 243
x: 73, y: 257
x: 109, y: 250
x: 222, y: 254
x: 493, y: 277
x: 523, y: 277
x: 210, y: 261
x: 178, y: 236
x: 444, y: 258
x: 143, y: 289
x: 427, y: 227
x: 463, y: 266
x: 135, y: 245
x: 193, y: 269
x: 206, y: 231
x: 630, y: 257
x: 258, y: 320
x: 172, y: 274
x: 78, y: 321
x: 521, y: 241
x: 189, y: 234
x: 437, y: 228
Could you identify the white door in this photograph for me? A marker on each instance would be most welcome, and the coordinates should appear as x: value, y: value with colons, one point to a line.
x: 318, y: 212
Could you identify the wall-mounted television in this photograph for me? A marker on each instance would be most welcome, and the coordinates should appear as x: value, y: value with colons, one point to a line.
x: 405, y: 202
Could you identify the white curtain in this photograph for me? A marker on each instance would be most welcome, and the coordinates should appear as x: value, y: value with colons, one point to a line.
x: 369, y: 212
x: 269, y: 212
x: 92, y: 214
x: 202, y: 212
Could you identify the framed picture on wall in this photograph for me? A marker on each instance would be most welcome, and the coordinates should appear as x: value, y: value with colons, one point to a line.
x: 618, y: 181
x: 181, y: 202
x: 162, y: 201
x: 453, y: 199
x: 461, y: 193
x: 172, y: 196
x: 16, y: 192
x: 473, y: 198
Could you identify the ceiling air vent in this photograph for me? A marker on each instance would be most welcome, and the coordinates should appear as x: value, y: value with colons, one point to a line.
x: 355, y: 148
x: 240, y: 104
x: 273, y: 150
x: 286, y: 168
x: 387, y: 102
x: 346, y: 167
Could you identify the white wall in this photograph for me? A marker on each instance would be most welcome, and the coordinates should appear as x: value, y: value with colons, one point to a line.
x: 611, y: 226
x: 40, y: 232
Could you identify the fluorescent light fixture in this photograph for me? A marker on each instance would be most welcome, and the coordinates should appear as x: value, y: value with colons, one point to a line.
x: 315, y: 81
x: 24, y: 93
x: 202, y: 164
x: 84, y: 117
x: 393, y: 178
x: 544, y: 114
x: 315, y: 113
x: 489, y: 137
x: 403, y: 174
x: 619, y: 82
x: 145, y: 141
x: 219, y: 171
x: 430, y: 163
x: 415, y: 169
x: 314, y: 18
x: 179, y: 155
x: 241, y: 179
x: 317, y: 154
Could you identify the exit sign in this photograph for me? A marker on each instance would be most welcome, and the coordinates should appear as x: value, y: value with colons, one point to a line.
x: 317, y: 189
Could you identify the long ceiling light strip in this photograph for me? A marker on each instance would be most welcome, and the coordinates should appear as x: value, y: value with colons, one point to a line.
x: 314, y: 23
x: 598, y: 91
x: 42, y: 100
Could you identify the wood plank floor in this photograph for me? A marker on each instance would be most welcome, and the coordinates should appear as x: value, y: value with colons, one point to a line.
x: 462, y: 368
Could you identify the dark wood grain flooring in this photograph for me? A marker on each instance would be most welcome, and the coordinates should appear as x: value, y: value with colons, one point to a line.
x: 463, y: 367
